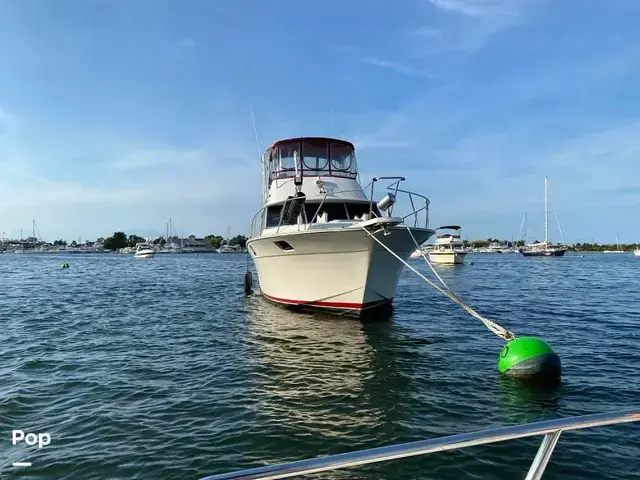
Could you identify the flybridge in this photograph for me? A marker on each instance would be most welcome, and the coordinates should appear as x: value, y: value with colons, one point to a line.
x: 310, y: 157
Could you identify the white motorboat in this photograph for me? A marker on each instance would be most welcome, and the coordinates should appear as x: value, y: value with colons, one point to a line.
x: 144, y: 250
x: 449, y: 247
x: 637, y: 252
x: 319, y: 240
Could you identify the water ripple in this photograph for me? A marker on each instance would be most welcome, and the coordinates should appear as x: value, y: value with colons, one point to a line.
x: 163, y: 369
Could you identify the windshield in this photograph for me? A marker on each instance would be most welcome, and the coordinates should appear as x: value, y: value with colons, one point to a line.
x: 316, y: 156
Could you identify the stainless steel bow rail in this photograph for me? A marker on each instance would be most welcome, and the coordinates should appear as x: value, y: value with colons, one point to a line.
x: 551, y: 429
x: 259, y: 219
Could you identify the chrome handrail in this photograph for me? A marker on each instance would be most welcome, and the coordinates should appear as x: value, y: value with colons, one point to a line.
x: 394, y: 188
x: 551, y: 429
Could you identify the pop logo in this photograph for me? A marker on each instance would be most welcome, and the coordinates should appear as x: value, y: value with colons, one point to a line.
x: 42, y: 439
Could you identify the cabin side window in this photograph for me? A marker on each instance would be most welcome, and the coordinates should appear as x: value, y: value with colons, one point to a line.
x: 273, y: 216
x: 267, y: 159
x: 343, y: 159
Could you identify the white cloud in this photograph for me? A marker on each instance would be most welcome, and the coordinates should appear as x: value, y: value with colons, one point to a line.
x: 156, y: 157
x: 479, y: 8
x: 396, y: 67
x: 468, y: 26
x: 203, y: 185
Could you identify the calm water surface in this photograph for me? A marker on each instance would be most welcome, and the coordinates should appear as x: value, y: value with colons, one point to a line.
x: 161, y: 368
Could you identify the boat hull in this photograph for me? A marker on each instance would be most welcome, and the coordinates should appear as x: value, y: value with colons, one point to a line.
x: 543, y: 253
x: 339, y: 270
x: 447, y: 258
x: 144, y: 255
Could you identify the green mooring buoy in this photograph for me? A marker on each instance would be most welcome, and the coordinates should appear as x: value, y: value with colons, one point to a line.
x: 529, y: 357
x: 65, y: 265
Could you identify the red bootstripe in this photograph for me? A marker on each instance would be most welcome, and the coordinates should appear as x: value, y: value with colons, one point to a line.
x: 319, y: 303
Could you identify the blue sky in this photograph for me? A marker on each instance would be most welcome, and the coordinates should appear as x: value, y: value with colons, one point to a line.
x: 120, y: 114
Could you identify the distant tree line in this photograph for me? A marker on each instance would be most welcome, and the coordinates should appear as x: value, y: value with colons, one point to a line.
x: 578, y: 247
x: 594, y: 247
x: 121, y: 240
x: 216, y: 241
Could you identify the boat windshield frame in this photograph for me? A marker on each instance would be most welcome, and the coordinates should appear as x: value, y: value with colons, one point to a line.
x: 312, y: 156
x: 456, y: 228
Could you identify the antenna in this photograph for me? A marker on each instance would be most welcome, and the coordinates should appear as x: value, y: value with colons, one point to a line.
x: 255, y: 131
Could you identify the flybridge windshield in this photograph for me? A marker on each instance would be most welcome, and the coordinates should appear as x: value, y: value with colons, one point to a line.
x: 314, y: 157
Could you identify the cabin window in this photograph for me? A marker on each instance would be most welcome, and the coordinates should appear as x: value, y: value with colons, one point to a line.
x: 286, y: 154
x: 315, y: 156
x: 338, y: 211
x: 359, y: 209
x: 273, y: 216
x: 266, y: 160
x: 342, y: 158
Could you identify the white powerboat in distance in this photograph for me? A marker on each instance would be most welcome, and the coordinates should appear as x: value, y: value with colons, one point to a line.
x: 319, y: 240
x: 449, y: 247
x: 144, y: 250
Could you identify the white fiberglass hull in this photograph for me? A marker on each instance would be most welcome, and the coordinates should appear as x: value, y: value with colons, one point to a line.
x: 337, y: 269
x: 144, y: 254
x: 636, y: 253
x: 447, y: 258
x: 418, y: 253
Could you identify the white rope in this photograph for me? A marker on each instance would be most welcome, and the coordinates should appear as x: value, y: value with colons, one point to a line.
x: 491, y: 325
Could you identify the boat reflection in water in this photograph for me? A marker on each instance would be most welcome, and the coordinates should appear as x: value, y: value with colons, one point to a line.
x: 327, y: 385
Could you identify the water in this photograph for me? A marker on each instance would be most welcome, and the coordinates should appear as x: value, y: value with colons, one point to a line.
x: 161, y: 368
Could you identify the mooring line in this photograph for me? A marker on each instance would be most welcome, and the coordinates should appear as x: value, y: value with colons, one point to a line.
x: 501, y: 332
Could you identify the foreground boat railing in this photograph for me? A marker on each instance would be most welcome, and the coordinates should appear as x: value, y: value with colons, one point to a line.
x: 551, y: 429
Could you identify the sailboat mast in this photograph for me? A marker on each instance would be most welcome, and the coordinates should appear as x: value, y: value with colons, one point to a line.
x: 546, y: 210
x: 33, y: 235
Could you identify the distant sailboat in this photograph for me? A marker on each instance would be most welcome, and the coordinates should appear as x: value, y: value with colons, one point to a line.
x: 618, y: 250
x: 225, y: 247
x: 546, y: 248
